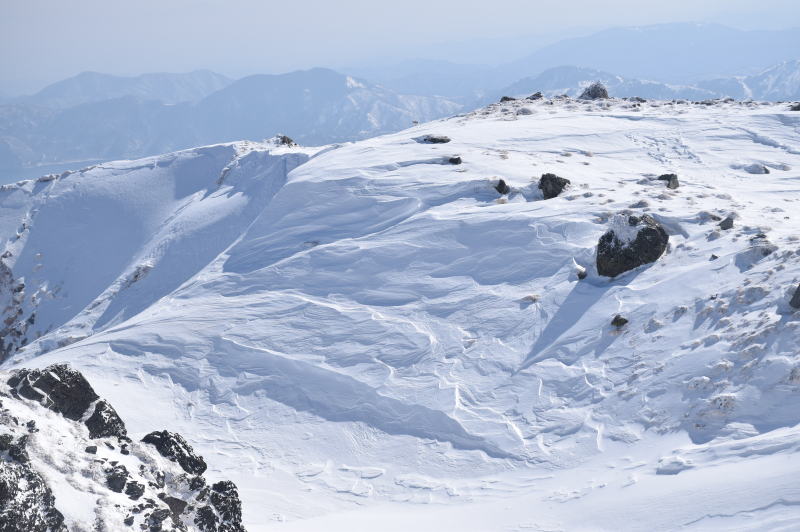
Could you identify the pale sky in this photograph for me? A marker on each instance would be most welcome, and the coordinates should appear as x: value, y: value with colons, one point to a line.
x: 46, y: 40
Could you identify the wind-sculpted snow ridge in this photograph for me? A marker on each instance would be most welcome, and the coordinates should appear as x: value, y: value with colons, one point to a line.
x: 348, y: 330
x: 64, y: 467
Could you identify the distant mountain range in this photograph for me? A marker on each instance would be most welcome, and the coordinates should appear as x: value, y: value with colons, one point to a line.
x: 94, y: 117
x: 779, y: 83
x: 156, y: 113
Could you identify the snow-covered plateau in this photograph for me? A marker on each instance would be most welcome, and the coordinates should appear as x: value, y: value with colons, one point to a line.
x: 370, y: 336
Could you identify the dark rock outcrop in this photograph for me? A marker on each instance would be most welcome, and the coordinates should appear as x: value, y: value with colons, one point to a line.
x: 727, y: 223
x: 795, y: 301
x: 551, y: 185
x: 435, y: 139
x: 454, y: 160
x: 57, y: 387
x: 224, y: 511
x: 502, y: 187
x: 173, y: 447
x: 671, y: 179
x: 535, y: 96
x: 64, y: 390
x: 795, y: 107
x: 283, y: 140
x: 105, y: 423
x: 595, y: 91
x: 26, y: 502
x: 619, y: 321
x: 505, y: 99
x: 116, y: 477
x: 631, y: 242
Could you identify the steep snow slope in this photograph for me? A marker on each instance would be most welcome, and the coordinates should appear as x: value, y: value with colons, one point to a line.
x: 367, y: 327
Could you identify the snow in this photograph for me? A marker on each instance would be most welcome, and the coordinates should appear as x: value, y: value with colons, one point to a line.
x: 362, y: 337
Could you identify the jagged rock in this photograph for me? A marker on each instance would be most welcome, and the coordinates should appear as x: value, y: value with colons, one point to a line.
x: 671, y: 179
x: 157, y: 517
x: 454, y: 160
x: 502, y: 187
x: 116, y: 477
x: 15, y: 449
x: 630, y: 242
x: 595, y: 91
x: 435, y: 139
x: 283, y: 140
x: 535, y: 96
x: 91, y: 449
x: 26, y: 503
x: 134, y: 490
x: 795, y: 301
x: 105, y: 422
x: 795, y: 107
x: 551, y: 185
x: 507, y: 99
x: 618, y: 321
x: 225, y: 500
x: 176, y: 506
x: 173, y: 447
x: 57, y: 387
x: 727, y: 223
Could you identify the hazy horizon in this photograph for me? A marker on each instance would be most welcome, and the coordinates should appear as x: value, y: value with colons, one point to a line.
x: 44, y: 41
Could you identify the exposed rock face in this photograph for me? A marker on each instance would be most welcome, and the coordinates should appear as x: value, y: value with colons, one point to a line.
x: 163, y: 496
x: 671, y: 179
x: 435, y: 139
x: 507, y: 99
x: 173, y: 447
x: 502, y: 187
x: 535, y: 96
x: 630, y: 242
x: 58, y: 387
x: 26, y: 503
x: 15, y: 316
x: 595, y: 91
x: 795, y: 107
x: 551, y: 185
x: 727, y: 223
x: 795, y: 302
x: 283, y: 140
x: 64, y: 390
x: 619, y: 321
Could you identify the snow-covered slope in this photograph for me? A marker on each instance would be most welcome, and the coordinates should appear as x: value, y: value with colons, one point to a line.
x: 351, y: 332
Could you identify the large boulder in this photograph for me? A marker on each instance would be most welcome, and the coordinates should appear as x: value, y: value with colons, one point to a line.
x: 173, y: 447
x: 795, y: 301
x: 630, y: 242
x: 551, y: 185
x: 595, y: 91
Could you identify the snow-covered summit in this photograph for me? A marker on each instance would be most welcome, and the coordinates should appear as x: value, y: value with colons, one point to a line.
x: 371, y: 324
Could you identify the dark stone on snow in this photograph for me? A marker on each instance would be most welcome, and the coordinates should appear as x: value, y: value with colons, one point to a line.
x: 454, y: 160
x: 727, y: 223
x: 26, y: 503
x: 92, y: 449
x: 595, y: 91
x: 671, y: 179
x: 582, y: 274
x: 283, y: 140
x: 795, y: 107
x: 435, y: 139
x: 15, y: 449
x: 713, y: 257
x: 206, y: 520
x: 502, y: 187
x: 116, y: 477
x: 176, y: 506
x: 225, y: 499
x: 535, y: 96
x: 173, y: 447
x: 795, y: 302
x: 58, y: 387
x: 134, y: 490
x: 196, y: 483
x: 128, y: 520
x: 618, y: 321
x: 157, y: 517
x: 551, y: 185
x: 105, y: 422
x: 507, y: 99
x: 615, y: 256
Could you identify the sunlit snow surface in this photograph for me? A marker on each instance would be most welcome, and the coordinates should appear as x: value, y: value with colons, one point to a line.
x: 364, y: 337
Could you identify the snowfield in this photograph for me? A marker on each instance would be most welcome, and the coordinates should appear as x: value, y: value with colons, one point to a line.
x: 368, y: 337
